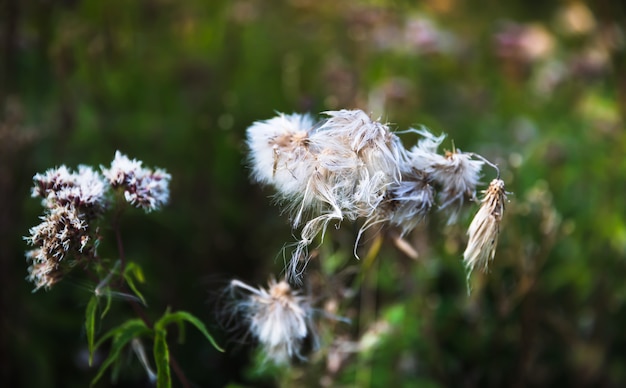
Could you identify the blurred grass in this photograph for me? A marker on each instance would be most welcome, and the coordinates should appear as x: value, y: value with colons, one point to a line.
x: 175, y: 84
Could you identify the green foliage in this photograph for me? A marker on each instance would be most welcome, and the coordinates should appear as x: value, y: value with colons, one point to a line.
x: 181, y: 317
x: 121, y: 336
x: 176, y: 84
x: 133, y: 272
x: 162, y: 357
x: 90, y: 324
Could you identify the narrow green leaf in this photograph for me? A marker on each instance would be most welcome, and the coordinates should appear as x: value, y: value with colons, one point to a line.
x: 134, y: 270
x: 90, y: 324
x: 181, y: 332
x: 107, y: 307
x: 162, y: 359
x: 180, y: 316
x: 121, y: 335
x: 118, y: 365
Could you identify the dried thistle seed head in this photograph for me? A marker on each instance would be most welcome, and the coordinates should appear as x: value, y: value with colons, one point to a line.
x: 278, y: 317
x: 485, y: 227
x: 373, y: 142
x: 424, y: 156
x: 458, y: 174
x: 143, y: 188
x: 409, y: 201
x: 337, y: 170
x: 455, y: 173
x: 279, y: 154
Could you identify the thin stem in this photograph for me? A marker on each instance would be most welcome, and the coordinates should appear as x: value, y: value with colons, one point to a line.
x: 483, y: 159
x: 367, y: 312
x: 369, y: 259
x: 120, y: 250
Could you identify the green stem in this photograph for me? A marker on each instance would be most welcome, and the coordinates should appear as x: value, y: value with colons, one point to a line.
x: 367, y: 313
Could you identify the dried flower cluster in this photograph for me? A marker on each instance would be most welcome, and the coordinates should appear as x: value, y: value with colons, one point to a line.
x: 73, y: 201
x: 351, y: 167
x: 143, y: 188
x: 279, y: 318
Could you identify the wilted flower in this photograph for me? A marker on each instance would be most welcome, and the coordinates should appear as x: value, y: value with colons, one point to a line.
x: 279, y: 318
x: 143, y: 187
x: 485, y: 227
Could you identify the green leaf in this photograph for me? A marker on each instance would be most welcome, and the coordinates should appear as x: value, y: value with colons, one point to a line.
x: 121, y: 335
x: 107, y: 307
x: 181, y: 332
x: 180, y: 316
x: 90, y: 324
x: 162, y: 359
x: 134, y: 270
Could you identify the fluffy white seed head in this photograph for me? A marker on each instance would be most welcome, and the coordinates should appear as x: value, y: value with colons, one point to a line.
x: 336, y: 170
x: 458, y: 176
x: 278, y: 317
x: 456, y: 173
x: 424, y: 156
x: 375, y: 145
x: 485, y: 227
x: 279, y: 152
x: 409, y: 201
x: 351, y: 167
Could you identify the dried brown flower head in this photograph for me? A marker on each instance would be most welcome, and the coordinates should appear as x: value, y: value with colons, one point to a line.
x: 485, y: 227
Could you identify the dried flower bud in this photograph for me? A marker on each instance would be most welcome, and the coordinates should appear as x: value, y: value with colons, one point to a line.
x: 485, y: 227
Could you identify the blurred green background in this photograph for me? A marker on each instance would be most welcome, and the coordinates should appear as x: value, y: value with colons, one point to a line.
x: 537, y: 87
